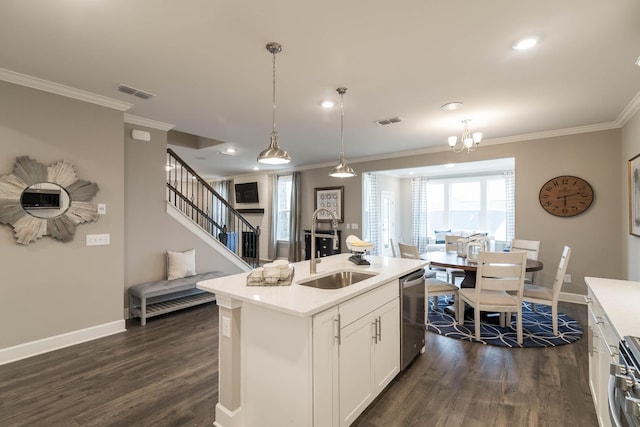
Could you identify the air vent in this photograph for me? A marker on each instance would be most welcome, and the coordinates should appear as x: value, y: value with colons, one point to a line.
x: 389, y: 121
x: 135, y: 92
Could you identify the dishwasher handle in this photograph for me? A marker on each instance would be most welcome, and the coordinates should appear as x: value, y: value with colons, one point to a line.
x: 413, y: 279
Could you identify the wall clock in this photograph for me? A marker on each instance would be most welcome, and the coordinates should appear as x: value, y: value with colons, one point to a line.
x: 566, y: 195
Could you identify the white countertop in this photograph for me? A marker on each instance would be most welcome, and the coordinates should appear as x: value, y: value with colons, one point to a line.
x: 305, y: 301
x: 620, y: 299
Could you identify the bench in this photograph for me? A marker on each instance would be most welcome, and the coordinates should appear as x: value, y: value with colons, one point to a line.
x: 164, y: 296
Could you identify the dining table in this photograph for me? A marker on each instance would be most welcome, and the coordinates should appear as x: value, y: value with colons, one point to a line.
x: 452, y: 260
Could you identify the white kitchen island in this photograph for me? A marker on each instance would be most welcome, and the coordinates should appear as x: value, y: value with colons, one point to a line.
x: 300, y: 356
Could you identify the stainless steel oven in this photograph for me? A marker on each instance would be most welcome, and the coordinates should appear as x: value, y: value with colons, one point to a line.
x: 624, y: 385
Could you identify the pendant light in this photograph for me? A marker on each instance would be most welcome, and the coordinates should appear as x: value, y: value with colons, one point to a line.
x: 343, y: 170
x: 274, y: 155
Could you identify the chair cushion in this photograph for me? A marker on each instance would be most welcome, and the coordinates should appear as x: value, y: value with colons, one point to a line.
x: 435, y: 285
x: 538, y: 292
x: 492, y: 298
x: 165, y: 287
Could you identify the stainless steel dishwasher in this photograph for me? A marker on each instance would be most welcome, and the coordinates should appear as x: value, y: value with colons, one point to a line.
x: 412, y: 317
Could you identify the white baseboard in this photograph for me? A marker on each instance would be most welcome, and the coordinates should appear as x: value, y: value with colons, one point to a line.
x: 33, y: 348
x: 572, y: 298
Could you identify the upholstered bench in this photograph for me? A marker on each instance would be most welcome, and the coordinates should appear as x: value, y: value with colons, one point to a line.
x: 164, y: 296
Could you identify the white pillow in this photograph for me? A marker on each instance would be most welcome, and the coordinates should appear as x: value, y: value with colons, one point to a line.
x: 181, y: 264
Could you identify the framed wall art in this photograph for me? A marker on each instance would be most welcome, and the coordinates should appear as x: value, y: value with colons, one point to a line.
x: 634, y: 196
x: 331, y: 198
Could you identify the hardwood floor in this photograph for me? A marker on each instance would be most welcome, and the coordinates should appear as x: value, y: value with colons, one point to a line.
x: 165, y: 374
x: 458, y: 383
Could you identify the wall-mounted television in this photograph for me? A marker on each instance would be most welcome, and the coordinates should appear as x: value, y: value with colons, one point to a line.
x: 247, y: 192
x: 41, y: 199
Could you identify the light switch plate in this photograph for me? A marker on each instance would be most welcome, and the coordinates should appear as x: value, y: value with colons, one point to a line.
x: 102, y: 209
x: 354, y: 226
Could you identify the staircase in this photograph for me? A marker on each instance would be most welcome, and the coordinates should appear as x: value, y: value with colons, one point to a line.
x: 196, y: 199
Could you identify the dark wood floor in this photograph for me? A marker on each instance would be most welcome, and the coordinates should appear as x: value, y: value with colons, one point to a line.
x: 165, y: 374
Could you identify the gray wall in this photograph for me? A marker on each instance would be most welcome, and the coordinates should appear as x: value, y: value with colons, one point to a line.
x: 149, y: 229
x: 49, y: 288
x: 630, y: 243
x: 594, y: 236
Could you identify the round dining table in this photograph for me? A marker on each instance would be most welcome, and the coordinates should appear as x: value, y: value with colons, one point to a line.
x: 452, y: 260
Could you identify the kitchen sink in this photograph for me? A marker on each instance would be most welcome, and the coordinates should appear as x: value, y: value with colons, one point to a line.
x: 337, y: 280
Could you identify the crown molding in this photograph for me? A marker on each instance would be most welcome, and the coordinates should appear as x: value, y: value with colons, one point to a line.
x: 62, y: 90
x: 632, y: 108
x: 141, y: 121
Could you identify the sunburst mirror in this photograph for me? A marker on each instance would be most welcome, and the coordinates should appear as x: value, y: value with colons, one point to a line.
x: 39, y: 200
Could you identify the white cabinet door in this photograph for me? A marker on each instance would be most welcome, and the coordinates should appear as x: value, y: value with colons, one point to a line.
x: 326, y: 328
x: 369, y: 359
x: 386, y: 352
x: 356, y: 366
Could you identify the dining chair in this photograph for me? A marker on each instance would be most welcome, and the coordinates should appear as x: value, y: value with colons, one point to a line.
x: 498, y: 274
x: 412, y: 252
x: 451, y: 245
x: 435, y: 288
x: 532, y: 248
x: 408, y: 251
x: 537, y: 294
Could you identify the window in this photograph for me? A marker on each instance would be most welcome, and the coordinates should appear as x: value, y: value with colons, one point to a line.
x: 283, y: 214
x: 470, y: 204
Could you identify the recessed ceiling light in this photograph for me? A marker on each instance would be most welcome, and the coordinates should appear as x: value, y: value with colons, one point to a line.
x: 256, y: 168
x: 449, y: 165
x: 526, y: 43
x: 328, y: 104
x: 456, y: 105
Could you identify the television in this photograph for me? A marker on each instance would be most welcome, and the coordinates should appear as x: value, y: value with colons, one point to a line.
x: 41, y: 199
x: 247, y: 192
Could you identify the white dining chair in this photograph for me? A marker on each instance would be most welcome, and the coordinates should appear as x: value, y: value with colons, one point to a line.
x: 537, y: 294
x: 498, y: 274
x: 451, y: 245
x: 435, y: 288
x: 412, y: 252
x: 532, y: 248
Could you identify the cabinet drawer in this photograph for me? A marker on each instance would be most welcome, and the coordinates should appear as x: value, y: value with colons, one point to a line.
x: 361, y: 305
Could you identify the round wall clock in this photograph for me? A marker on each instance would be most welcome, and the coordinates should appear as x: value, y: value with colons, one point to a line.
x: 566, y: 195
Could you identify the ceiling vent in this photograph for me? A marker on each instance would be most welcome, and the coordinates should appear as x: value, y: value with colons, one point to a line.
x: 135, y: 92
x: 389, y: 121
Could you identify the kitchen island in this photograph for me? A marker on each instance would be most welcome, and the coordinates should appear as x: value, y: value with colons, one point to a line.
x: 301, y: 356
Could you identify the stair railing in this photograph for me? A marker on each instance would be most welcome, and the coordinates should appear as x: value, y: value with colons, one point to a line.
x: 195, y: 198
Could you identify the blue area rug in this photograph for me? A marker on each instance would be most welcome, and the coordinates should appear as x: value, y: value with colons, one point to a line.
x: 537, y: 330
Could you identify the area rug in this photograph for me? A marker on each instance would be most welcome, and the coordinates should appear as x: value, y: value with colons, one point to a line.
x: 537, y: 330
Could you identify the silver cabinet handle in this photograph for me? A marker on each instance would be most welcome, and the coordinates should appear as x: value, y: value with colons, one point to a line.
x: 374, y: 323
x: 379, y: 327
x: 336, y: 329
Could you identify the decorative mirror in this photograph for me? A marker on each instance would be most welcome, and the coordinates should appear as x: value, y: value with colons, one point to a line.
x: 38, y: 200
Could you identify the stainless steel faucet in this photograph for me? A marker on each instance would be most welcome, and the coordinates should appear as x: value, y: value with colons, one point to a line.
x: 334, y: 236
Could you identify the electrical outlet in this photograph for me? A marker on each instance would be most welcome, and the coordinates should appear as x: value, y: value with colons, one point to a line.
x: 98, y: 239
x: 567, y: 278
x: 226, y: 327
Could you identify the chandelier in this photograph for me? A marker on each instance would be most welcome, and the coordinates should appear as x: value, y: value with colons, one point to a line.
x: 468, y: 141
x: 274, y: 155
x: 343, y: 170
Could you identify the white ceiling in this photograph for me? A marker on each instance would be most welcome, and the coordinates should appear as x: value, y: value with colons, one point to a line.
x: 206, y: 62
